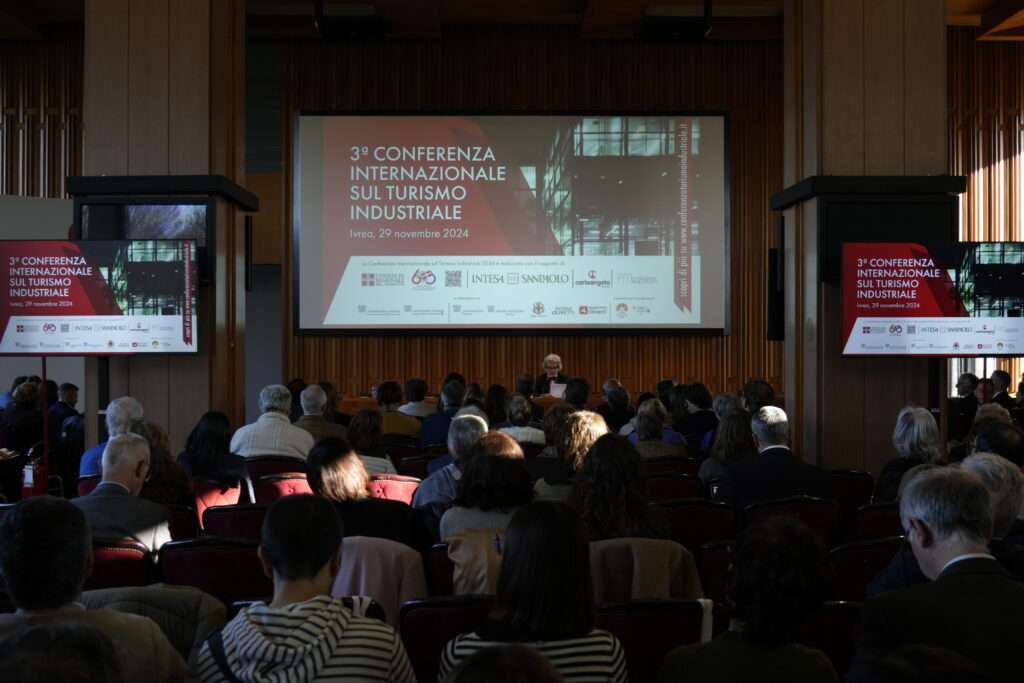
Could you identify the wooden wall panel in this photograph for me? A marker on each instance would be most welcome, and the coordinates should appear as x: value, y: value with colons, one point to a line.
x: 554, y: 70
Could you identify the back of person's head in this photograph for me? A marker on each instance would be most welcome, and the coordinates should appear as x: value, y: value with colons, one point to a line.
x: 780, y: 579
x: 26, y: 396
x: 582, y: 429
x: 66, y: 391
x: 474, y: 409
x: 58, y: 652
x: 415, y: 389
x: 364, y: 431
x: 608, y: 491
x: 556, y: 424
x: 770, y: 426
x: 952, y: 502
x: 663, y: 388
x: 1002, y: 439
x: 452, y: 393
x: 474, y: 395
x: 916, y: 435
x: 51, y: 390
x: 505, y: 664
x: 211, y: 435
x: 122, y: 415
x: 301, y: 534
x: 45, y: 552
x: 757, y: 393
x: 617, y: 396
x: 389, y: 394
x: 734, y: 439
x: 496, y: 404
x: 463, y: 433
x: 520, y: 410
x: 644, y: 397
x: 984, y: 391
x: 916, y: 664
x: 524, y: 384
x: 336, y: 472
x: 495, y: 478
x: 126, y: 460
x: 18, y: 380
x: 966, y: 383
x: 1005, y: 485
x: 651, y: 417
x: 677, y: 405
x: 275, y: 398
x: 313, y: 399
x: 992, y: 412
x: 698, y: 396
x: 545, y: 590
x: 724, y: 405
x: 577, y: 393
x: 1000, y: 380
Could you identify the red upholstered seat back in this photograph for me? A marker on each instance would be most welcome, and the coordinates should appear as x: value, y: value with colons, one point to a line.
x: 649, y: 629
x: 671, y: 464
x: 427, y: 625
x: 394, y: 487
x: 227, y: 569
x: 820, y: 516
x: 210, y: 494
x: 261, y: 465
x: 184, y: 522
x: 235, y: 521
x: 696, y: 522
x: 835, y: 630
x: 120, y: 563
x: 852, y: 489
x: 855, y: 564
x: 714, y: 564
x: 273, y: 486
x: 880, y: 520
x: 672, y: 486
x: 439, y: 570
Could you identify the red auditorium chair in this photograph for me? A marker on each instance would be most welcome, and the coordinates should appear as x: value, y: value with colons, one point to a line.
x: 235, y: 521
x: 672, y: 464
x: 262, y: 465
x: 415, y: 466
x: 820, y: 516
x: 852, y: 489
x: 210, y: 493
x: 87, y: 483
x: 394, y: 487
x: 673, y: 486
x: 227, y: 569
x: 714, y: 564
x: 398, y: 447
x: 697, y: 522
x: 184, y: 522
x: 427, y: 626
x: 273, y: 486
x: 649, y: 629
x: 439, y: 570
x: 835, y: 630
x: 855, y: 564
x: 878, y: 520
x: 124, y: 562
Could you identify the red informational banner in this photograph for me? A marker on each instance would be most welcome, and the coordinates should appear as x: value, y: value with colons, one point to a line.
x: 956, y: 299
x: 102, y: 297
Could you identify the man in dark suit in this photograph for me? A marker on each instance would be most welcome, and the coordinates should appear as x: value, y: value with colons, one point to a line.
x: 435, y: 427
x: 1000, y: 388
x: 776, y: 472
x: 552, y: 373
x: 114, y: 510
x: 971, y: 604
x: 67, y: 397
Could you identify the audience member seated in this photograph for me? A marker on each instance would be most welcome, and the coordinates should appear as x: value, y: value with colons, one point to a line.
x: 76, y: 653
x: 167, y: 483
x: 616, y: 409
x: 21, y: 424
x: 966, y: 404
x: 208, y: 455
x: 1005, y: 485
x: 581, y: 430
x: 971, y: 605
x: 552, y: 373
x: 303, y: 633
x: 438, y: 491
x: 545, y: 600
x: 520, y: 418
x: 435, y: 427
x: 113, y: 509
x: 331, y: 411
x: 416, y: 404
x: 577, y: 393
x: 1006, y: 440
x: 496, y: 405
x: 655, y: 408
x: 609, y: 494
x: 272, y: 433
x: 987, y: 416
x: 663, y: 391
x: 1000, y: 389
x: 506, y: 664
x: 337, y: 473
x: 67, y: 398
x: 494, y: 485
x: 651, y: 433
x: 733, y: 444
x: 757, y: 394
x: 725, y: 405
x: 45, y: 558
x: 444, y: 460
x: 314, y: 420
x: 123, y: 415
x: 474, y: 396
x: 389, y: 398
x: 779, y: 582
x: 701, y: 420
x: 364, y: 432
x: 775, y: 472
x: 917, y: 441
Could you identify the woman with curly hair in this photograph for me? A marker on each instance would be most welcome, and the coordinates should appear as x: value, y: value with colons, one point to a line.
x: 609, y: 496
x: 574, y: 437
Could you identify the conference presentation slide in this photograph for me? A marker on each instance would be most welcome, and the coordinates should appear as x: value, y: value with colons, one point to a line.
x: 102, y: 297
x: 514, y: 222
x: 951, y: 299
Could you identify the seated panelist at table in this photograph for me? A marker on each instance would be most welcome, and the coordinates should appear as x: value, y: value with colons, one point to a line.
x: 552, y: 373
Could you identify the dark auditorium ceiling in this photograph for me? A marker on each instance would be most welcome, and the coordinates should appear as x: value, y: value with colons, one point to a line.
x: 36, y: 19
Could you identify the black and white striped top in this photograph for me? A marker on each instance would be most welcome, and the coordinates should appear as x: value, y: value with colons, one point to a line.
x: 594, y: 658
x: 323, y: 639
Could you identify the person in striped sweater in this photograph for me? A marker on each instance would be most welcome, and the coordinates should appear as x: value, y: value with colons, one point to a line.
x: 545, y: 600
x: 303, y: 635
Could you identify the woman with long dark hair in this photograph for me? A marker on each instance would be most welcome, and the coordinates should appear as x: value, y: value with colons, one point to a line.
x: 545, y: 599
x: 208, y: 455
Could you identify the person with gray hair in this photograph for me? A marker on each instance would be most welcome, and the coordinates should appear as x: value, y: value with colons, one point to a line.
x: 552, y: 374
x: 1005, y: 484
x: 313, y: 420
x: 437, y: 492
x: 123, y: 415
x: 273, y: 433
x: 970, y: 604
x: 776, y: 472
x: 917, y: 441
x: 113, y: 509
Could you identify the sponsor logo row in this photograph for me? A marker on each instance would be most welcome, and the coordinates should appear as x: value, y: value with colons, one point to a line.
x: 424, y: 279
